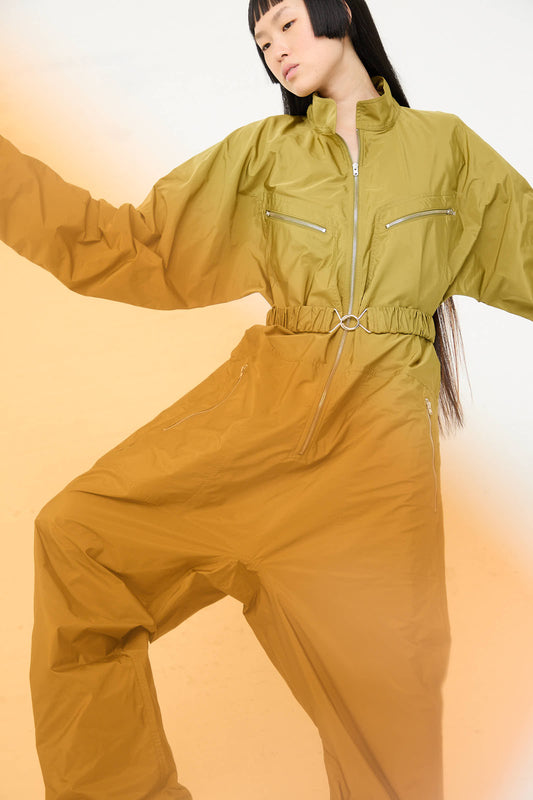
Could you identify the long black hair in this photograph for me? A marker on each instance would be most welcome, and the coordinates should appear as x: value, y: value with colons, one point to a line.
x: 331, y: 18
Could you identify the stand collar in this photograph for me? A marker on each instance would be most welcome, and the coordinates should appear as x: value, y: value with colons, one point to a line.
x: 374, y: 114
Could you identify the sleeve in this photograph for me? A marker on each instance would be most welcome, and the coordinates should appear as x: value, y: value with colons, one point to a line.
x: 195, y: 240
x: 492, y: 258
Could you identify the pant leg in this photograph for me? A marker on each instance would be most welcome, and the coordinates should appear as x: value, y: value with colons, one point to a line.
x: 351, y: 602
x: 365, y: 657
x: 123, y: 554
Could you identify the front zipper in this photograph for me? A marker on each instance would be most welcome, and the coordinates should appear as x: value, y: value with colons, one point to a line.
x: 430, y: 412
x: 420, y: 214
x: 205, y: 410
x: 295, y: 220
x: 355, y: 171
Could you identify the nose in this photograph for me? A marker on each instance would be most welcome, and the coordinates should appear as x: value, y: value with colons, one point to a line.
x: 281, y: 59
x: 279, y: 50
x: 277, y: 54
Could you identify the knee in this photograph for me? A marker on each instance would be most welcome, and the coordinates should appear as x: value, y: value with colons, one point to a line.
x: 58, y: 516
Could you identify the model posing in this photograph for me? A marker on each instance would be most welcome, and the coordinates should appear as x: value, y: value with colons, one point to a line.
x: 302, y: 476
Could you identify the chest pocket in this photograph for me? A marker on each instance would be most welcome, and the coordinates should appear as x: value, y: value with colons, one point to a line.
x: 424, y: 218
x: 416, y: 214
x: 301, y: 242
x: 411, y: 245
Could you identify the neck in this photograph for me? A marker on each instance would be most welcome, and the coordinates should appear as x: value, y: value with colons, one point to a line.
x: 350, y: 84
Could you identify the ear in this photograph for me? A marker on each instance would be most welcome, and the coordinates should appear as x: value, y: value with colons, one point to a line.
x: 349, y: 10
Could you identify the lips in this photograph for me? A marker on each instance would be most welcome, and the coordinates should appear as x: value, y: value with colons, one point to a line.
x: 288, y: 71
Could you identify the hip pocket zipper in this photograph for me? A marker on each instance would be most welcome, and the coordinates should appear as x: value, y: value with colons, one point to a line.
x: 430, y: 413
x: 295, y: 220
x: 211, y: 408
x: 420, y: 214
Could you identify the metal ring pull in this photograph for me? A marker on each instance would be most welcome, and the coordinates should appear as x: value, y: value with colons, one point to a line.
x: 349, y: 316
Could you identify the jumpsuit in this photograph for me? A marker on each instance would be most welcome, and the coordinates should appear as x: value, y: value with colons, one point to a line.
x: 302, y: 476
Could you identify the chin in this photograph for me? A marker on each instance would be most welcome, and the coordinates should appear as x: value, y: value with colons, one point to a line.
x: 301, y: 91
x: 296, y: 92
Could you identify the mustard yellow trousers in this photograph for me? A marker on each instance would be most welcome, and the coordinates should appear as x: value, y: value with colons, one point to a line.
x: 336, y: 553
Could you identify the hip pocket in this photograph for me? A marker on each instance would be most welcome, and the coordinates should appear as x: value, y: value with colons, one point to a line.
x: 222, y: 400
x: 429, y: 412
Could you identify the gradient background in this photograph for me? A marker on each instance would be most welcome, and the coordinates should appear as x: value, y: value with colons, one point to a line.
x: 113, y: 96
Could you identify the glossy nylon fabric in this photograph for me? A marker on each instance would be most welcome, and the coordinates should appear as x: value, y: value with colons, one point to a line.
x: 302, y: 476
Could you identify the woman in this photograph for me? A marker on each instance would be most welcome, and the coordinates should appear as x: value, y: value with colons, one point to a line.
x: 302, y: 476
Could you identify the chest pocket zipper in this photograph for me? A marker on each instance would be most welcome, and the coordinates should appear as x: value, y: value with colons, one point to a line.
x: 420, y: 214
x: 211, y: 408
x: 295, y: 220
x: 430, y: 413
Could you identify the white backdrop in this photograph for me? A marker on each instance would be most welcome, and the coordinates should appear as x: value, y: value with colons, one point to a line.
x: 114, y: 95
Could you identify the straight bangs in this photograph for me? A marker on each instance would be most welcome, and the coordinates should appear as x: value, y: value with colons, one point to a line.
x: 256, y: 9
x: 328, y: 17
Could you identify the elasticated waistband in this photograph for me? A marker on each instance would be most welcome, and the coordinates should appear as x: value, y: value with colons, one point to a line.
x: 373, y: 319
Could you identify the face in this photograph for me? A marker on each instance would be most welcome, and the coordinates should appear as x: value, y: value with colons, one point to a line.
x: 286, y: 37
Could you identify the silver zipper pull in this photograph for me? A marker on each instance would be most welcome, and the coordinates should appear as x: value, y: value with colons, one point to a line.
x: 355, y: 166
x: 243, y: 370
x: 428, y: 404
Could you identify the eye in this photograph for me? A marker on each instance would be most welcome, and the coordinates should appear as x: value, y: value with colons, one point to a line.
x: 284, y: 27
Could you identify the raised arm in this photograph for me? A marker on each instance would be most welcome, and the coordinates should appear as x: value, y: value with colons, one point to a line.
x: 493, y: 257
x: 195, y: 240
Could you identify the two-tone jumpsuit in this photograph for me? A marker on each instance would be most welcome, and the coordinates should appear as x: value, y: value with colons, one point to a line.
x: 302, y: 476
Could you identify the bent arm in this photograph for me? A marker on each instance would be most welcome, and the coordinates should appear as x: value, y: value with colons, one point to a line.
x: 194, y: 241
x: 493, y: 259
